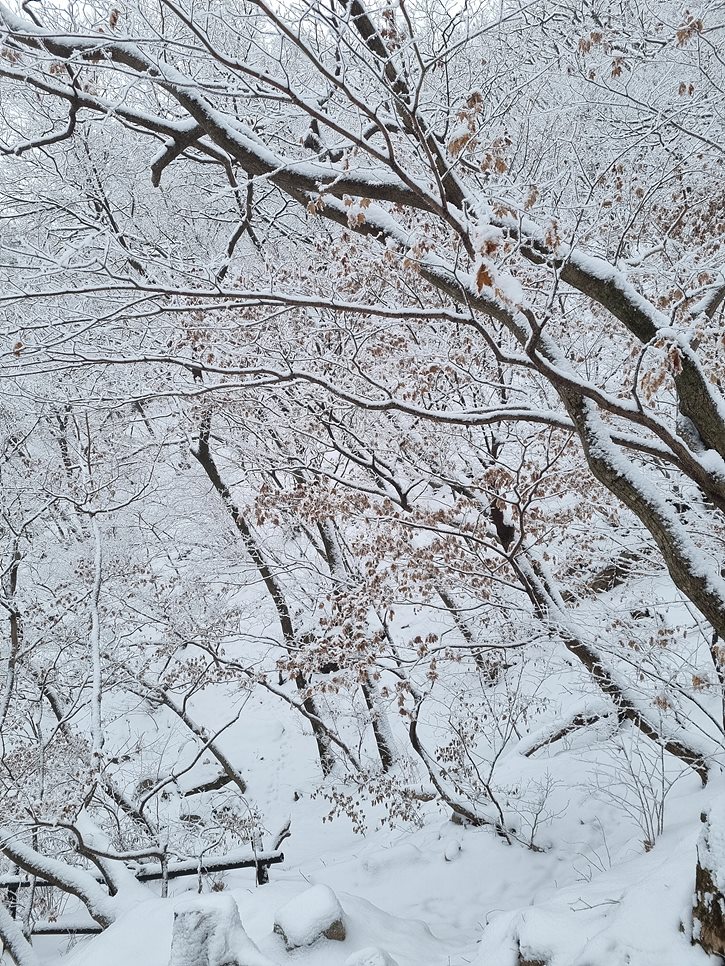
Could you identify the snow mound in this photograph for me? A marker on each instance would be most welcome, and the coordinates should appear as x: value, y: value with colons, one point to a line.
x: 396, y: 858
x: 208, y: 932
x: 633, y: 914
x: 451, y: 849
x: 309, y: 917
x: 371, y: 956
x: 143, y: 934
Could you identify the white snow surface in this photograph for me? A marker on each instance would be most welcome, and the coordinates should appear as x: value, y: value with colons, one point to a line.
x: 439, y: 894
x: 370, y: 956
x: 405, y: 903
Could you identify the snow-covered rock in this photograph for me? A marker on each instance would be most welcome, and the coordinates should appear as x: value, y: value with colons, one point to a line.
x: 370, y: 956
x: 209, y: 932
x: 314, y: 914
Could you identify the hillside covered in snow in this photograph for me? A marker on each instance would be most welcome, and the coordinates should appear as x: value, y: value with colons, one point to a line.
x: 362, y: 483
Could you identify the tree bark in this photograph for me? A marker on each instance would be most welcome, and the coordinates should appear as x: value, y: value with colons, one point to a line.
x: 204, y: 457
x: 709, y: 903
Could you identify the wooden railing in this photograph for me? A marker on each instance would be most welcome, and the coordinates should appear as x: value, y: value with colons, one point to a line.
x: 146, y: 872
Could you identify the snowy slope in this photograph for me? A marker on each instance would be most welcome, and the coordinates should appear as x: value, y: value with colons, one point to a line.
x: 443, y: 894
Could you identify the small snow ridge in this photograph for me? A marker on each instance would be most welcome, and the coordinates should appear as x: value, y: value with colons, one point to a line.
x: 370, y: 956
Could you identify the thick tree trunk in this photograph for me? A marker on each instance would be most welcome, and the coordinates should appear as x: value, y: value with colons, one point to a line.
x: 708, y: 910
x: 381, y: 730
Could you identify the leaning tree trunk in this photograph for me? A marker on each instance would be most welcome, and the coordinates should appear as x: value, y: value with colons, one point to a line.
x: 340, y: 571
x: 204, y: 457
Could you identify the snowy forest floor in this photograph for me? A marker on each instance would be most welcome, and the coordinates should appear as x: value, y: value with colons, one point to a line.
x: 443, y: 894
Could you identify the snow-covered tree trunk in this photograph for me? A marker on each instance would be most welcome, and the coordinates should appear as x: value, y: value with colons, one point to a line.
x: 13, y: 941
x: 68, y: 878
x: 709, y: 905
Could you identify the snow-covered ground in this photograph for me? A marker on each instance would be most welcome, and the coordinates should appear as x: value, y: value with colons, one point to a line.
x: 441, y: 894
